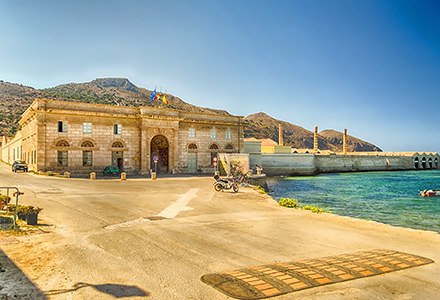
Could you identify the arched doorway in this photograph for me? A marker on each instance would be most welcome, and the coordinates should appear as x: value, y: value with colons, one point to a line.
x: 423, y: 162
x: 430, y: 163
x: 416, y: 162
x: 118, y: 155
x: 159, y: 148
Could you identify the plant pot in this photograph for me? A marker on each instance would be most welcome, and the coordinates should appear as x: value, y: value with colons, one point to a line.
x: 32, y: 219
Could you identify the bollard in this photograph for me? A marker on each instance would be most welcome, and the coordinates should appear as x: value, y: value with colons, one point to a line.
x: 67, y: 174
x: 92, y: 176
x: 123, y: 176
x: 153, y: 175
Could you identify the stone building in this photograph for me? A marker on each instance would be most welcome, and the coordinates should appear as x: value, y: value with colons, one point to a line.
x: 62, y: 136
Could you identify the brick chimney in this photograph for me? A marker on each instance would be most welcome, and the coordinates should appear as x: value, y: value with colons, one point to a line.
x: 315, y: 140
x: 344, y: 141
x: 280, y: 133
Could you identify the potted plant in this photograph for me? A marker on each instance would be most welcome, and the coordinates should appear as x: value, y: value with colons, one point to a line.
x: 4, y: 200
x: 31, y: 214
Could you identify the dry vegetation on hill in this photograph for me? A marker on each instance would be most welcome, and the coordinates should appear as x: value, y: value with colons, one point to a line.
x: 16, y: 98
x: 261, y: 126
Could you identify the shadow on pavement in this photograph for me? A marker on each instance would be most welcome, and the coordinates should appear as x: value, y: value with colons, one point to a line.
x: 115, y: 290
x: 14, y: 284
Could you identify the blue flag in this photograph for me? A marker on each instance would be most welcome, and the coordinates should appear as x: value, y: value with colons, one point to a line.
x: 153, y: 95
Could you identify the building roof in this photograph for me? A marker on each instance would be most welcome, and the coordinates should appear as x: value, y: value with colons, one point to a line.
x: 268, y: 142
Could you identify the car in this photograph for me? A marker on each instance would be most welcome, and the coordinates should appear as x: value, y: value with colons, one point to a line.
x: 110, y: 170
x: 19, y: 165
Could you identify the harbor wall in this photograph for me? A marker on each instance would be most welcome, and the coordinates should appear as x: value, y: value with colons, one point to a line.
x: 278, y: 164
x: 357, y: 163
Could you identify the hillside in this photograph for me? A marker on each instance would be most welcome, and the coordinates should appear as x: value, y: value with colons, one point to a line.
x: 121, y: 92
x: 261, y: 126
x: 16, y: 98
x: 353, y: 144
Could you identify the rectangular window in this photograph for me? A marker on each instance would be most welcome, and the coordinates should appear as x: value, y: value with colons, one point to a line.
x: 62, y: 126
x: 87, y: 158
x: 87, y: 127
x: 62, y: 158
x: 117, y: 129
x: 228, y: 134
x: 213, y: 134
x: 192, y: 133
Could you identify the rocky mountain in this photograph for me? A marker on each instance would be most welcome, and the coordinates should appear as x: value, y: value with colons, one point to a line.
x: 260, y: 126
x: 16, y: 98
x: 121, y: 92
x: 353, y: 144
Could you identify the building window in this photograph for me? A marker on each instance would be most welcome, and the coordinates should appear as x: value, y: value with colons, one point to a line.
x: 88, y: 144
x: 87, y: 127
x: 229, y: 147
x: 87, y: 158
x: 213, y: 134
x: 192, y: 147
x: 62, y: 126
x: 117, y: 129
x: 117, y: 145
x: 192, y: 133
x: 228, y: 134
x: 62, y: 143
x: 62, y: 158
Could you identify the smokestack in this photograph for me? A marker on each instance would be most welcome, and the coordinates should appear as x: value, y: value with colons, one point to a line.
x: 280, y: 135
x: 315, y: 140
x: 344, y: 141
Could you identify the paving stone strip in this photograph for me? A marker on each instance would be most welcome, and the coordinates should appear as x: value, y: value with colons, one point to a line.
x: 281, y: 278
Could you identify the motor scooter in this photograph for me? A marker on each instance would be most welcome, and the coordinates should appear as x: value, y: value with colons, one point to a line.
x: 228, y: 183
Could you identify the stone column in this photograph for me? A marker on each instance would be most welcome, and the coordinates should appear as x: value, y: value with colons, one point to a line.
x: 280, y: 135
x: 315, y: 140
x: 143, y: 152
x: 344, y: 141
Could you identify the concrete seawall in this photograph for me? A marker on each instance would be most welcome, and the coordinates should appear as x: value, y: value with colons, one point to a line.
x: 306, y: 164
x: 356, y: 163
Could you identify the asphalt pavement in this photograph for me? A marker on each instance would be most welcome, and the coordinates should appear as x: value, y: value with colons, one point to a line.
x: 155, y: 239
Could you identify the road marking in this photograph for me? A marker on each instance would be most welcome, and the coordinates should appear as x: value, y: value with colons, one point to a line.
x: 129, y: 223
x: 179, y: 205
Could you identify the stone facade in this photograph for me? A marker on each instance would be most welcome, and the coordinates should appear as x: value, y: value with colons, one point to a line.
x: 63, y: 136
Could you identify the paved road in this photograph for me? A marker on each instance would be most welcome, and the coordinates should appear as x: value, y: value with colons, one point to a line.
x: 155, y: 239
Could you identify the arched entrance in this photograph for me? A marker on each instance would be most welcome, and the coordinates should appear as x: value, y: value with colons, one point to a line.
x: 159, y: 148
x: 416, y: 162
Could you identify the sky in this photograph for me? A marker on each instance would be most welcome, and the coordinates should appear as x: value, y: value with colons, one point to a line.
x: 372, y: 67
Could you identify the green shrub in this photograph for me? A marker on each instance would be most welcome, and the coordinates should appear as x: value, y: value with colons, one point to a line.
x: 287, y: 202
x: 261, y: 190
x: 51, y: 174
x: 4, y: 200
x: 315, y: 209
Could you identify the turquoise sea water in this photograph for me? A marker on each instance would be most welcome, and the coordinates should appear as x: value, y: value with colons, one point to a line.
x: 388, y: 197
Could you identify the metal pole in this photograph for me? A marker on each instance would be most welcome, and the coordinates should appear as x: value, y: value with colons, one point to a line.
x: 15, y: 210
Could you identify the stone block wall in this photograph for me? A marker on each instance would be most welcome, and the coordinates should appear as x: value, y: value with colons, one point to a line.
x: 277, y: 164
x: 356, y: 163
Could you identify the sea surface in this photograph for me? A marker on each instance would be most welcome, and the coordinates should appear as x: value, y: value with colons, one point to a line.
x: 387, y: 197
